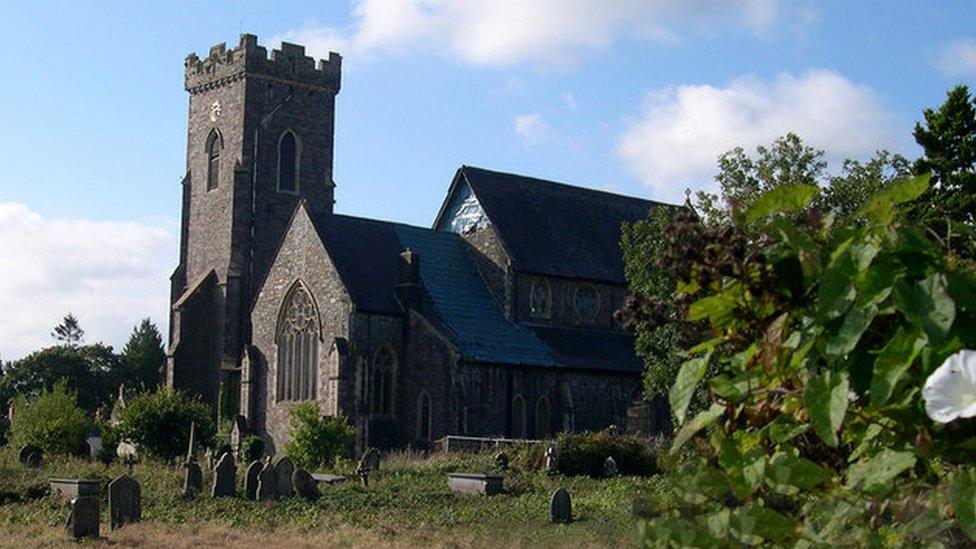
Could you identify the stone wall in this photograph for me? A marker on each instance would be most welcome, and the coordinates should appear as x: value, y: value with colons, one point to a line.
x: 563, y: 293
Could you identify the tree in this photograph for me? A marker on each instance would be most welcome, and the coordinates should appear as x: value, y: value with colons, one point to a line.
x: 845, y: 194
x: 69, y: 332
x: 143, y: 356
x: 87, y: 370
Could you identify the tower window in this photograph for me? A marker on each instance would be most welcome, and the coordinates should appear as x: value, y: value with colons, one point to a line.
x: 288, y: 158
x: 381, y: 383
x: 213, y: 160
x: 298, y: 346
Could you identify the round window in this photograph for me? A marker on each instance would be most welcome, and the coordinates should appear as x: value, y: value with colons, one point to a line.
x: 587, y: 302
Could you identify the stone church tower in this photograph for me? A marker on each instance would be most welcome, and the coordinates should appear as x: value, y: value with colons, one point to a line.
x: 259, y: 141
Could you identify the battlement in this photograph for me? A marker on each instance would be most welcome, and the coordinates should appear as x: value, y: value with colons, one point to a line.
x: 289, y: 64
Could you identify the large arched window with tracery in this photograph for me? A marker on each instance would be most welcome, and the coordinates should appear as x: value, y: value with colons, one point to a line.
x: 298, y: 347
x: 381, y: 383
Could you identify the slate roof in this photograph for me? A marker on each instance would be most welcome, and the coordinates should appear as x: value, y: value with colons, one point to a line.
x: 590, y: 349
x: 553, y: 228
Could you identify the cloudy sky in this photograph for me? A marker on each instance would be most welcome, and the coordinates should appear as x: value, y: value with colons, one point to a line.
x: 633, y: 96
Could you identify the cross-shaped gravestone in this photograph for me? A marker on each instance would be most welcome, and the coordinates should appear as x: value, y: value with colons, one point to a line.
x: 84, y: 517
x: 193, y: 479
x: 124, y: 501
x: 283, y: 472
x: 251, y: 479
x: 267, y: 483
x: 225, y: 477
x: 560, y: 507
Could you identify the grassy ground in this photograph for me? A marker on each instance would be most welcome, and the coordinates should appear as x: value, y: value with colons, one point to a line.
x: 407, y: 503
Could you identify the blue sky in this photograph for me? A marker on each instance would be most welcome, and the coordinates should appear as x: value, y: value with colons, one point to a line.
x: 637, y: 97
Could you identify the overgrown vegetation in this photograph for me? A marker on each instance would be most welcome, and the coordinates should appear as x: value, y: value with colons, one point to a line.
x: 316, y: 440
x: 585, y: 454
x: 53, y: 422
x: 159, y: 422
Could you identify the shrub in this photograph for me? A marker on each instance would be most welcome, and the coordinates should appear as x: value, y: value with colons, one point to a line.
x: 159, y: 422
x: 252, y: 448
x: 53, y: 421
x: 110, y: 442
x: 316, y: 440
x: 585, y: 453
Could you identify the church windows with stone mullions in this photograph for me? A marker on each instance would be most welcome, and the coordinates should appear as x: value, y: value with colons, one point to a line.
x: 298, y: 347
x: 381, y: 384
x: 289, y: 157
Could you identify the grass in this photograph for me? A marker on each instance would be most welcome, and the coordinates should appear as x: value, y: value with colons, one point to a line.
x: 407, y: 503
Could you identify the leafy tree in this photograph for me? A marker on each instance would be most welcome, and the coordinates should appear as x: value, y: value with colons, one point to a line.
x: 159, y: 422
x: 847, y: 193
x: 316, y: 440
x: 69, y: 332
x: 52, y: 421
x: 86, y: 371
x: 144, y: 356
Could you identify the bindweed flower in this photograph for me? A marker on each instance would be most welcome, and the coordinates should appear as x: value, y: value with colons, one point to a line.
x: 950, y: 391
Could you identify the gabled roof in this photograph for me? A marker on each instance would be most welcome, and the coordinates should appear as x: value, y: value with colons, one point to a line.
x: 553, y: 228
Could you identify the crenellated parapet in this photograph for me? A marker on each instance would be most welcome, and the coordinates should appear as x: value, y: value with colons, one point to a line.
x: 289, y: 65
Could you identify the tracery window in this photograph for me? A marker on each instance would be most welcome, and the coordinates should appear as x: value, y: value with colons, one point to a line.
x: 213, y: 159
x: 586, y: 302
x: 381, y: 383
x: 518, y: 417
x: 288, y: 161
x: 298, y: 347
x: 540, y: 298
x: 542, y: 417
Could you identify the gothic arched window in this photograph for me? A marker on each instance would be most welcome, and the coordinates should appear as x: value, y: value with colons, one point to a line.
x: 540, y: 298
x: 423, y: 417
x: 298, y: 347
x: 542, y: 417
x: 288, y: 158
x: 518, y: 417
x: 213, y: 159
x: 381, y: 383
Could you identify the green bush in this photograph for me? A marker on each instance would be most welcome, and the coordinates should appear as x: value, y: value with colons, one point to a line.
x: 53, y: 421
x: 252, y: 448
x: 110, y: 442
x: 316, y: 440
x: 159, y: 422
x: 585, y: 454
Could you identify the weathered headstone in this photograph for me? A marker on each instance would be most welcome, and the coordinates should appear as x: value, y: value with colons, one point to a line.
x: 221, y: 450
x: 370, y: 460
x: 284, y: 469
x: 208, y: 457
x: 501, y: 460
x: 610, y: 468
x: 251, y: 479
x: 193, y: 479
x: 550, y: 461
x: 25, y: 452
x: 124, y: 501
x: 225, y: 477
x: 238, y: 430
x: 94, y: 446
x: 84, y: 517
x: 305, y: 486
x: 35, y: 459
x: 560, y: 507
x: 267, y: 482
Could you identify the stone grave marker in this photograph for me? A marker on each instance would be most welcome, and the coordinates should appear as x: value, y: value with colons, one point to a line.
x: 284, y: 470
x: 35, y: 459
x: 84, y: 517
x: 127, y: 451
x: 238, y: 430
x: 124, y: 502
x: 560, y: 507
x: 370, y: 460
x: 251, y: 479
x: 267, y: 482
x: 94, y: 446
x: 25, y: 452
x: 550, y: 461
x: 225, y: 477
x: 501, y: 460
x: 610, y: 468
x: 193, y: 478
x: 305, y: 486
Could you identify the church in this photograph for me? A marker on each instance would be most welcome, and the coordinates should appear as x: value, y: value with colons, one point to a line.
x: 495, y: 321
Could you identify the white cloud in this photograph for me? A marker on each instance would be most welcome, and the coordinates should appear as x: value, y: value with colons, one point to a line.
x: 109, y: 274
x: 531, y: 129
x: 958, y: 58
x: 507, y: 32
x: 682, y: 131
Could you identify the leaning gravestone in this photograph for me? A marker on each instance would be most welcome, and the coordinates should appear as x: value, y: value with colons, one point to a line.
x: 84, y: 517
x: 609, y: 468
x: 35, y: 460
x: 283, y: 472
x: 305, y: 486
x: 267, y: 483
x: 225, y: 478
x: 370, y: 460
x: 124, y: 502
x: 251, y: 479
x: 26, y: 451
x: 501, y: 460
x: 193, y: 479
x: 560, y: 507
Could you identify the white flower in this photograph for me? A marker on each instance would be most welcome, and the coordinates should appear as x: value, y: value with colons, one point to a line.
x: 950, y: 391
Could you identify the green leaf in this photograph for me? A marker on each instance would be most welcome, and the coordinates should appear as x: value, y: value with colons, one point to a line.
x: 684, y: 385
x: 881, y: 207
x: 699, y: 422
x: 855, y: 323
x: 837, y: 291
x: 783, y: 428
x: 826, y: 398
x: 926, y: 304
x: 744, y: 466
x: 733, y: 390
x: 875, y: 475
x: 894, y: 360
x: 962, y: 494
x: 762, y: 522
x: 788, y: 470
x: 717, y: 308
x: 785, y: 198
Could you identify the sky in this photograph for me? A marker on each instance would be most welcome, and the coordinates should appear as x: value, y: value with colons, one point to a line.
x: 632, y: 96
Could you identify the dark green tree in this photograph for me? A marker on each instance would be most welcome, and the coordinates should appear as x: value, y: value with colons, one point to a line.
x: 144, y: 356
x: 87, y: 371
x: 69, y: 332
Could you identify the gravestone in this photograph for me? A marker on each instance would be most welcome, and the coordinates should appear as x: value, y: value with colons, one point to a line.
x: 208, y: 458
x: 225, y: 477
x: 219, y: 453
x: 370, y: 460
x: 609, y: 468
x: 34, y: 459
x: 84, y: 517
x: 25, y: 452
x: 560, y: 507
x: 238, y: 430
x: 305, y: 486
x: 94, y: 446
x: 127, y: 451
x: 550, y: 461
x: 267, y: 482
x: 283, y: 472
x: 501, y: 460
x: 193, y: 479
x: 251, y: 479
x: 124, y: 502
